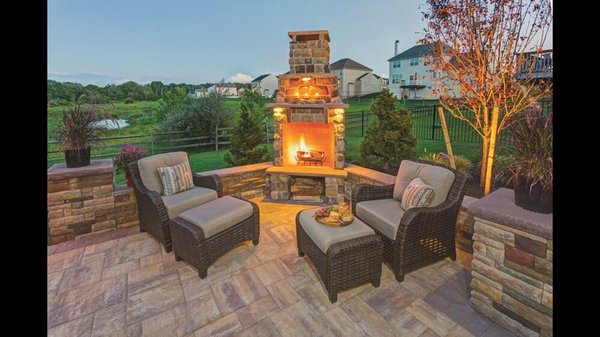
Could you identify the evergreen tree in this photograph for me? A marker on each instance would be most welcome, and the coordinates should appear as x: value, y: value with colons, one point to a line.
x: 247, y: 140
x: 388, y: 138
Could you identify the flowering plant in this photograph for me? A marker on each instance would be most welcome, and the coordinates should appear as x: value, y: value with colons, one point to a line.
x: 128, y: 154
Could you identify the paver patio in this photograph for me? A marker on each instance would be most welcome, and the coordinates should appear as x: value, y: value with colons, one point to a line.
x: 124, y: 284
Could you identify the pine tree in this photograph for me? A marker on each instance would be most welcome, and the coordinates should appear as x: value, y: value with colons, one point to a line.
x: 388, y: 138
x: 247, y: 140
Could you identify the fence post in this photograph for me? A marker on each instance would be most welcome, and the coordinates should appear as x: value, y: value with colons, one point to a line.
x: 267, y: 132
x: 217, y: 138
x: 152, y: 143
x: 433, y: 113
x: 362, y: 123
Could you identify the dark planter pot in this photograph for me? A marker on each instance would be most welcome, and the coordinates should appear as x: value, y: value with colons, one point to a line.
x: 533, y: 199
x: 77, y: 158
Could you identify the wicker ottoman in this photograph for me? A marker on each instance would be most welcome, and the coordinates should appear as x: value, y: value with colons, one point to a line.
x: 345, y: 257
x: 204, y: 233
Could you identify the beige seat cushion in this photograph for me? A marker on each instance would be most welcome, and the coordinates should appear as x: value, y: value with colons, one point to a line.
x: 218, y: 215
x: 439, y: 178
x: 324, y: 236
x: 383, y: 215
x: 149, y: 168
x: 185, y: 200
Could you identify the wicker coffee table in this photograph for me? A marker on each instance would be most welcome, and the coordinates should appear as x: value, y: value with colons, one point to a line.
x: 345, y: 257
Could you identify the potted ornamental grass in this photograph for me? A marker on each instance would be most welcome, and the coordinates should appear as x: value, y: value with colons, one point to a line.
x: 531, y: 162
x: 79, y: 128
x: 128, y: 154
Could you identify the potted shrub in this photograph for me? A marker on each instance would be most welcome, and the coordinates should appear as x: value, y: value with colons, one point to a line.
x: 128, y: 154
x: 531, y: 162
x: 78, y: 128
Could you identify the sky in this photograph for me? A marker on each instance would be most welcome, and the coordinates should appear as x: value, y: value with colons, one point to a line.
x: 201, y: 41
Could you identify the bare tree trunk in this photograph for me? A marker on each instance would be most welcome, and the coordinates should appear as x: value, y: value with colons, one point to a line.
x: 446, y: 137
x: 491, y: 151
x: 484, y: 157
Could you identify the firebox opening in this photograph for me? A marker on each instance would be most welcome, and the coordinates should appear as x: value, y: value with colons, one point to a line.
x: 308, y: 144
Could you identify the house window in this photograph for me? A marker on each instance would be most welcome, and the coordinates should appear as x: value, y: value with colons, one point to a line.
x: 396, y: 78
x: 434, y: 74
x: 396, y: 64
x: 414, y: 61
x: 412, y: 78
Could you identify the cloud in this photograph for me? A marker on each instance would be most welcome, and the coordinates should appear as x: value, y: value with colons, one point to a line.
x: 79, y: 75
x: 382, y: 74
x: 240, y: 78
x: 121, y: 81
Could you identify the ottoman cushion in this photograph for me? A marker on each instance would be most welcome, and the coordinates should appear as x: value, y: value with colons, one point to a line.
x: 324, y: 236
x: 182, y: 201
x: 218, y: 215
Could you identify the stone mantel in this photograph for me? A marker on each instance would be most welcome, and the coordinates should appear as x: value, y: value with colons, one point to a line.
x: 96, y: 167
x: 499, y: 207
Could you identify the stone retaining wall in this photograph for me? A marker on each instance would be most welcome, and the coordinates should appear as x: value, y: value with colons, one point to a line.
x: 512, y: 265
x: 246, y: 182
x: 83, y: 200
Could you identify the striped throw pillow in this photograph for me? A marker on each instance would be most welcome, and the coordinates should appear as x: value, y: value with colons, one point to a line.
x: 417, y: 194
x: 175, y: 179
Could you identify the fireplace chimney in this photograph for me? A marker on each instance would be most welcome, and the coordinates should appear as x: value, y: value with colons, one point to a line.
x: 396, y: 47
x: 309, y: 52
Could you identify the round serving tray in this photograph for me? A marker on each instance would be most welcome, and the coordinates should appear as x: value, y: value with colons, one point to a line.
x: 332, y: 221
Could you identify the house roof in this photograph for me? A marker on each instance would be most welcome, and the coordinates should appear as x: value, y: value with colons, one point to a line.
x: 201, y: 90
x: 416, y: 51
x: 347, y: 63
x: 224, y: 85
x: 365, y: 74
x: 260, y: 77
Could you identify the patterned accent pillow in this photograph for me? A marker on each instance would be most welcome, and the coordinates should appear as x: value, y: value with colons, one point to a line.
x: 175, y: 179
x: 417, y: 194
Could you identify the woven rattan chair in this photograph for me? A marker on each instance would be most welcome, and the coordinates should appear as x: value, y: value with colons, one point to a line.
x: 419, y: 236
x: 155, y: 210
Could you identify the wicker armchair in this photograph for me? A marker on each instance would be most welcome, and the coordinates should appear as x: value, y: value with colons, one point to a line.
x: 155, y: 211
x: 423, y: 235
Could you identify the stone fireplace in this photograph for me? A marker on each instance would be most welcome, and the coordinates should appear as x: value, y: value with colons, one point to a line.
x: 309, y: 118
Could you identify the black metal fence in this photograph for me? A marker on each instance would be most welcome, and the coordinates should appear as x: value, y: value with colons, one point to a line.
x: 427, y: 126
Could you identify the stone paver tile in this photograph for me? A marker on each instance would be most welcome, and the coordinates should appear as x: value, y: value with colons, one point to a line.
x: 249, y: 286
x: 51, y: 249
x: 436, y: 301
x: 103, y: 237
x: 496, y: 330
x: 459, y: 331
x: 160, y: 325
x: 99, y: 247
x: 74, y: 244
x: 120, y: 269
x: 264, y: 328
x: 302, y: 279
x: 268, y: 252
x: 316, y: 297
x: 134, y: 330
x: 111, y: 321
x: 341, y: 324
x: 151, y: 259
x: 187, y: 271
x: 290, y: 247
x: 257, y: 311
x: 294, y: 262
x: 459, y: 313
x: 389, y: 296
x: 243, y: 263
x: 297, y: 320
x: 282, y: 234
x: 82, y: 275
x: 272, y: 272
x: 215, y: 274
x: 145, y: 285
x: 194, y: 287
x: 356, y: 308
x: 283, y: 294
x: 429, y: 333
x: 223, y: 327
x: 131, y: 250
x: 453, y: 294
x: 414, y: 286
x: 375, y: 326
x: 154, y: 300
x: 93, y: 257
x: 54, y: 281
x: 64, y: 260
x: 81, y: 327
x: 145, y: 273
x: 82, y: 301
x: 196, y: 313
x: 227, y: 296
x: 477, y: 323
x: 124, y: 237
x: 432, y: 318
x: 406, y: 324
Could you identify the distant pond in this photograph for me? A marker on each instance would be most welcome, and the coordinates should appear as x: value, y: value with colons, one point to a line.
x: 109, y: 124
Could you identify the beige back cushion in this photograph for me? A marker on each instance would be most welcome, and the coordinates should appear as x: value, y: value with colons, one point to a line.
x: 439, y: 178
x: 149, y: 168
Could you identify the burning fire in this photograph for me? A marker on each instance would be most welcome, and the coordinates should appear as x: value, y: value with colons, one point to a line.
x: 303, y: 148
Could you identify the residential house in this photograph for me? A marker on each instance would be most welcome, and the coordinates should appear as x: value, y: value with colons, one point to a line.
x: 265, y: 84
x: 355, y: 79
x: 225, y: 89
x: 200, y: 92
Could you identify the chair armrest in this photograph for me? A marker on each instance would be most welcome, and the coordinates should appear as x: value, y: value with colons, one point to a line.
x: 212, y: 181
x: 364, y: 192
x: 429, y: 219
